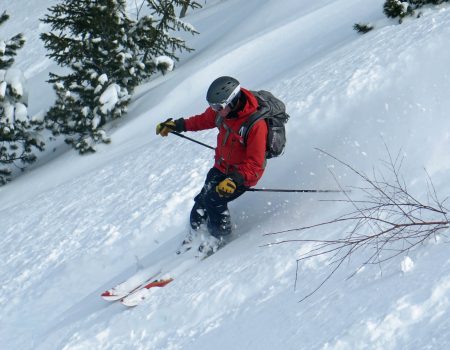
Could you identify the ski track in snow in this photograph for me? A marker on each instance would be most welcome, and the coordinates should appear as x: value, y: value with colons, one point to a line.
x: 78, y: 225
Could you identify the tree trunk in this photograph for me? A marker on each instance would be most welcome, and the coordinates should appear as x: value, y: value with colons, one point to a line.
x: 184, y: 9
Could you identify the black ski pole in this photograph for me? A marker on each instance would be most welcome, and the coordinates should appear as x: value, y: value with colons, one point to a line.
x: 296, y: 191
x: 188, y: 138
x: 263, y: 189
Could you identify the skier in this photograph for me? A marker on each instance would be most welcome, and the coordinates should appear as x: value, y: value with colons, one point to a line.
x: 247, y: 122
x: 237, y: 165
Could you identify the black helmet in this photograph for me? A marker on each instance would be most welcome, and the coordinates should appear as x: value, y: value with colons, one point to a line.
x: 222, y: 92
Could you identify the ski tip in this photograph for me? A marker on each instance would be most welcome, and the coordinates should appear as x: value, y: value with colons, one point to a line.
x: 108, y: 296
x: 159, y: 283
x: 137, y: 297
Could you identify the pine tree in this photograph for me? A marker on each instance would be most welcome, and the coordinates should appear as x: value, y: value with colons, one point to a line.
x: 397, y: 8
x: 185, y: 6
x: 19, y: 135
x: 420, y: 3
x: 154, y: 34
x: 89, y: 38
x: 8, y: 49
x: 402, y: 8
x: 362, y: 28
x: 108, y: 55
x: 164, y: 21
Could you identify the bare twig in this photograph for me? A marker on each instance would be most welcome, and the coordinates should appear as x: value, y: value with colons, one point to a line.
x: 387, y: 223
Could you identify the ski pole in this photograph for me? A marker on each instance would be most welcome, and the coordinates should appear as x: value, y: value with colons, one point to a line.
x: 263, y: 189
x: 188, y: 138
x: 296, y: 191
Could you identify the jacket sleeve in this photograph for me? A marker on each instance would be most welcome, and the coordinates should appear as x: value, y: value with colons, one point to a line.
x: 252, y: 167
x: 206, y: 120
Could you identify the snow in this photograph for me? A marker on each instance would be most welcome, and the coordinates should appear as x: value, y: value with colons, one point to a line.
x: 3, y: 86
x: 8, y: 115
x: 21, y: 112
x: 109, y: 98
x: 2, y: 47
x: 167, y: 61
x: 15, y: 78
x: 73, y: 227
x: 407, y: 264
x: 102, y: 79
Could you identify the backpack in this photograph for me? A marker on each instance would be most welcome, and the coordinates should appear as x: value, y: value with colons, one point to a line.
x: 273, y: 111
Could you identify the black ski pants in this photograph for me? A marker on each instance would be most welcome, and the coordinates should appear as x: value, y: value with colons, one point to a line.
x: 215, y: 207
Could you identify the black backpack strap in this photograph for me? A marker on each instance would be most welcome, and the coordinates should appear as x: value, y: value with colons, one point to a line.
x: 248, y: 124
x: 259, y: 114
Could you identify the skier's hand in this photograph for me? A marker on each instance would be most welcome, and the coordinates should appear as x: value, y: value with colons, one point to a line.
x: 164, y: 128
x: 226, y: 188
x: 169, y: 125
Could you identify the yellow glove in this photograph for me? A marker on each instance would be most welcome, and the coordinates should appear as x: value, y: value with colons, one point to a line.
x: 226, y: 187
x: 164, y: 128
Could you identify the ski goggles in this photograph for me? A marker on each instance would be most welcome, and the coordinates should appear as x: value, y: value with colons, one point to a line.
x: 222, y: 105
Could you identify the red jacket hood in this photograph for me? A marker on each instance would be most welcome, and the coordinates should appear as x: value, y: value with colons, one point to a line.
x: 250, y: 107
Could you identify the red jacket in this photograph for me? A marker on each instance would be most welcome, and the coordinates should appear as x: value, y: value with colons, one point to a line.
x: 232, y: 156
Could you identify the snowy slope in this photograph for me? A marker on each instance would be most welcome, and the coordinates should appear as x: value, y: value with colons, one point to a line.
x: 75, y: 226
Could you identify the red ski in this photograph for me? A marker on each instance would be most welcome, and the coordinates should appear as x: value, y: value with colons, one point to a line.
x: 137, y: 296
x: 131, y: 285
